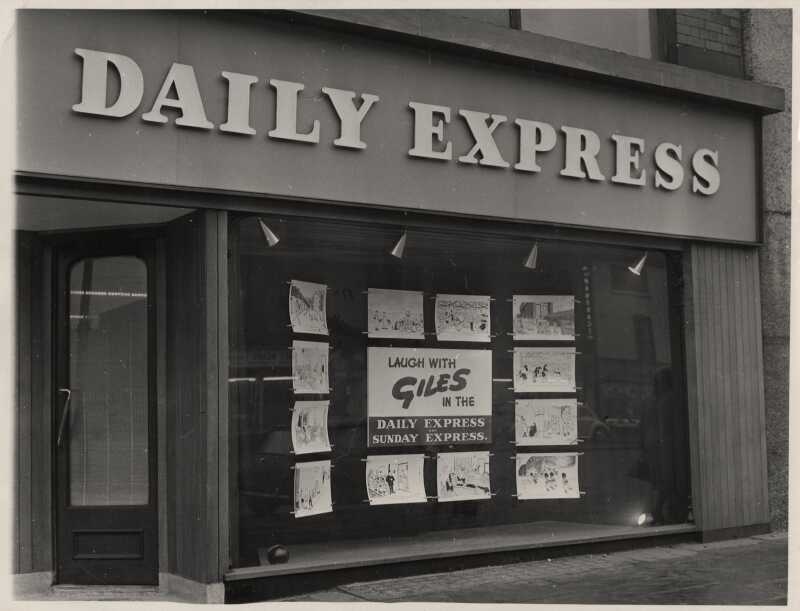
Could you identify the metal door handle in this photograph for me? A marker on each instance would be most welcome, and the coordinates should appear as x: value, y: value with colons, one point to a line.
x: 63, y: 415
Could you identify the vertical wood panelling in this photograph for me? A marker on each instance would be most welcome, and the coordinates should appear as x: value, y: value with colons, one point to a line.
x: 42, y: 409
x: 693, y: 386
x: 223, y: 488
x: 760, y: 416
x: 739, y: 312
x: 726, y: 388
x: 162, y: 405
x: 186, y: 313
x: 33, y: 522
x: 212, y: 384
x: 23, y: 562
x: 193, y: 382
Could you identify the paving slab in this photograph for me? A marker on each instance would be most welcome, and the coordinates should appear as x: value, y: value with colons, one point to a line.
x: 750, y: 571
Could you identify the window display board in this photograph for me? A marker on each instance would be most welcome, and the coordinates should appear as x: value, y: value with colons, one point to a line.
x: 428, y: 396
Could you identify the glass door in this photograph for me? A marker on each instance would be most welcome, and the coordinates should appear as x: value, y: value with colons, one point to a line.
x: 104, y: 418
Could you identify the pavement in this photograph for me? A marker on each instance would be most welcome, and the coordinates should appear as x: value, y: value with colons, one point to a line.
x: 749, y: 571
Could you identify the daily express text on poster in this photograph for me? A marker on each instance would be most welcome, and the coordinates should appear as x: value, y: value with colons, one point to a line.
x: 428, y: 396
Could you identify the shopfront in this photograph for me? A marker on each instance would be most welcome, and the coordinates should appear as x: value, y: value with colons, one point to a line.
x: 373, y: 301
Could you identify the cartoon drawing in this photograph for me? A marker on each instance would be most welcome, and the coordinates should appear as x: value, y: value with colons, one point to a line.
x: 310, y: 427
x: 544, y: 369
x: 544, y: 317
x: 307, y: 310
x: 463, y: 318
x: 462, y: 476
x: 547, y: 476
x: 310, y: 367
x: 395, y: 314
x: 395, y: 478
x: 546, y: 422
x: 312, y: 488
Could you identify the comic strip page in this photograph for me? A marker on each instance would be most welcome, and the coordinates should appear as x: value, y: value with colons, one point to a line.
x: 395, y: 478
x: 310, y: 427
x: 463, y: 318
x: 544, y: 369
x: 395, y: 314
x: 546, y: 422
x: 307, y: 307
x: 544, y: 317
x: 462, y: 476
x: 312, y: 488
x: 547, y: 476
x: 310, y: 367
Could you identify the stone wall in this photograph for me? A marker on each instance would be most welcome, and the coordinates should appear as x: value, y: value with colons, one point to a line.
x: 768, y: 59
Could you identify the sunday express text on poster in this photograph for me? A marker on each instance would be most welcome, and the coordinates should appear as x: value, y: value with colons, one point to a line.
x: 428, y: 396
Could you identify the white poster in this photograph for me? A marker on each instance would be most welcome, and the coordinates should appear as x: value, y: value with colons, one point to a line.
x: 428, y: 396
x: 463, y: 476
x: 546, y: 422
x: 544, y: 317
x: 395, y: 314
x: 312, y: 488
x: 307, y: 310
x: 463, y: 318
x: 395, y: 478
x: 547, y: 476
x: 310, y: 427
x: 544, y: 369
x: 310, y: 367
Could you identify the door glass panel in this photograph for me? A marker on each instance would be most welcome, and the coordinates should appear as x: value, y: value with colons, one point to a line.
x: 108, y: 378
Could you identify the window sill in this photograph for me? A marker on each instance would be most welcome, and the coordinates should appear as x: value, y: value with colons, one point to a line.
x: 316, y: 557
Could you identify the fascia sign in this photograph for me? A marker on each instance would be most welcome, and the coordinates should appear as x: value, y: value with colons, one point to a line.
x: 666, y: 169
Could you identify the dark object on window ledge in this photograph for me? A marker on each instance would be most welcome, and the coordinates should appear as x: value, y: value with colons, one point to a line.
x: 278, y: 554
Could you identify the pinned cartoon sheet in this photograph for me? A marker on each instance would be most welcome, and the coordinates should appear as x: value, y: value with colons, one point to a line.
x: 547, y: 476
x: 307, y: 307
x: 395, y: 478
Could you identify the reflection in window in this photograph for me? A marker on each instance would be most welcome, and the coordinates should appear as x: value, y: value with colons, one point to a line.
x: 631, y: 420
x: 108, y: 378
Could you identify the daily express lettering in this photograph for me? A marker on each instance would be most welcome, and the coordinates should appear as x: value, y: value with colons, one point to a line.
x: 430, y: 141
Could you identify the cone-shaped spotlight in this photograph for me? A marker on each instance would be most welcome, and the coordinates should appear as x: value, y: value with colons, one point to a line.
x: 270, y: 237
x: 636, y: 270
x: 533, y: 257
x: 398, y: 249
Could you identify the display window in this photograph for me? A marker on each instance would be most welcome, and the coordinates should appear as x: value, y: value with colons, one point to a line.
x: 393, y: 380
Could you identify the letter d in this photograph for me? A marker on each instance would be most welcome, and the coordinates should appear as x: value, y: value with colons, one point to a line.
x: 95, y: 81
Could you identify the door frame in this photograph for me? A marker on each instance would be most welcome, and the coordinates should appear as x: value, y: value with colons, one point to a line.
x: 66, y: 248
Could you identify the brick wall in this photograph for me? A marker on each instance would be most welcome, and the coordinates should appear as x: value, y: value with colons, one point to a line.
x: 711, y: 29
x: 710, y: 39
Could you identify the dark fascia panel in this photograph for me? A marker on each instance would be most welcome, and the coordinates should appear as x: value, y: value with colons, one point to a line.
x: 545, y: 52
